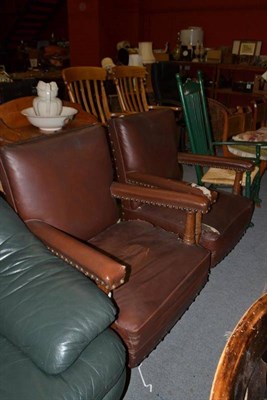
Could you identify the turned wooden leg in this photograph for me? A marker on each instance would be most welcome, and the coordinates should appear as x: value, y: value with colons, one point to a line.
x: 189, y: 233
x: 198, y: 226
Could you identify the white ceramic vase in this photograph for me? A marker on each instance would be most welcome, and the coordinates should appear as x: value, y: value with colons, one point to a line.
x: 47, y: 104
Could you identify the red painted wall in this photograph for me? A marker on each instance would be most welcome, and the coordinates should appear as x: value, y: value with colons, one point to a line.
x: 222, y: 20
x: 94, y: 32
x: 84, y: 31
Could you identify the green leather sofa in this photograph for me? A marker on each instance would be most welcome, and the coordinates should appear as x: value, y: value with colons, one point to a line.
x: 55, y: 340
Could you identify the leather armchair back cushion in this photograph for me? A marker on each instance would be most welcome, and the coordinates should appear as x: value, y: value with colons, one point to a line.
x: 37, y: 192
x: 49, y: 310
x: 135, y: 133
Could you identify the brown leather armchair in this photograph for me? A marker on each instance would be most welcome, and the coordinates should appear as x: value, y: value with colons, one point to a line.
x: 144, y: 147
x: 62, y: 187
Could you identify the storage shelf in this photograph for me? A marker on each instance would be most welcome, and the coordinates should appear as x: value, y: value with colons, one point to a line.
x: 219, y: 75
x: 234, y: 73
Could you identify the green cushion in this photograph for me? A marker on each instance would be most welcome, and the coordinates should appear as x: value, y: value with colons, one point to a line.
x: 99, y: 373
x: 49, y: 310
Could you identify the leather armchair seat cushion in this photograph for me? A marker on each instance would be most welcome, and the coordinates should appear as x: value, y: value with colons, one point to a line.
x: 223, y: 225
x: 157, y: 293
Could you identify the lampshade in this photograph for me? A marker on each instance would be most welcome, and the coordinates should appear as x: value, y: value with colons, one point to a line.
x: 192, y: 35
x: 107, y: 63
x: 145, y: 51
x: 135, y: 60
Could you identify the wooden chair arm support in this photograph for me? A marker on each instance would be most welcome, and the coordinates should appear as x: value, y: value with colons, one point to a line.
x: 235, y: 164
x: 106, y: 272
x: 148, y: 180
x: 161, y: 197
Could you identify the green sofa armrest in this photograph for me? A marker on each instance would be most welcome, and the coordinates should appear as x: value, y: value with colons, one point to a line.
x: 49, y: 310
x: 98, y: 374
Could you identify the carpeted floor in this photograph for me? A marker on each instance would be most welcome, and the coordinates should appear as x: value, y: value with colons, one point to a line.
x: 183, y: 365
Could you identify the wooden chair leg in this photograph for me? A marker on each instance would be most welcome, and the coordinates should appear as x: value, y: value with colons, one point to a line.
x: 190, y: 227
x: 198, y: 226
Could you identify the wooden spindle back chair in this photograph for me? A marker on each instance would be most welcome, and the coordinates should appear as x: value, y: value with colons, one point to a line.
x: 130, y: 82
x: 85, y: 86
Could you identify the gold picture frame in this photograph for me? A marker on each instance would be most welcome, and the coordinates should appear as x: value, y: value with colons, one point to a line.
x: 245, y: 51
x: 247, y: 48
x: 250, y: 48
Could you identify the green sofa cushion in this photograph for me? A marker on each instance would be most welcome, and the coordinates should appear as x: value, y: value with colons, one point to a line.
x: 49, y: 310
x: 99, y: 373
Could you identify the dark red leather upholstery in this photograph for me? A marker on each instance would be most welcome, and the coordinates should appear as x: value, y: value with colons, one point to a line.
x: 144, y: 146
x: 62, y: 187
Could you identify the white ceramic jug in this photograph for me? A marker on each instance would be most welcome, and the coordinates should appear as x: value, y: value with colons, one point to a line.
x: 47, y: 104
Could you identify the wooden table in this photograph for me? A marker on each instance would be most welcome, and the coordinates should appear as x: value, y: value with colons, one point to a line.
x: 40, y: 75
x: 245, y: 149
x: 15, y: 127
x: 8, y: 135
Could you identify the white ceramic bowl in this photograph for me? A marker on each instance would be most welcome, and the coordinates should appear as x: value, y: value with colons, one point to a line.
x: 50, y: 124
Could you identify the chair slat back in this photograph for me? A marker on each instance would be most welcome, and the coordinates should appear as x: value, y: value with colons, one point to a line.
x: 130, y: 86
x: 196, y: 114
x: 85, y: 85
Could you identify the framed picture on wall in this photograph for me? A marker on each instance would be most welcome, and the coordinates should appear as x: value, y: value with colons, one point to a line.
x: 247, y: 48
x: 258, y: 48
x: 236, y: 47
x: 245, y: 51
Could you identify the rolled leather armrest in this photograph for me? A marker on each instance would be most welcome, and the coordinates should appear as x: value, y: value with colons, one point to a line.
x: 105, y: 271
x: 138, y: 178
x: 161, y: 197
x: 215, y: 161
